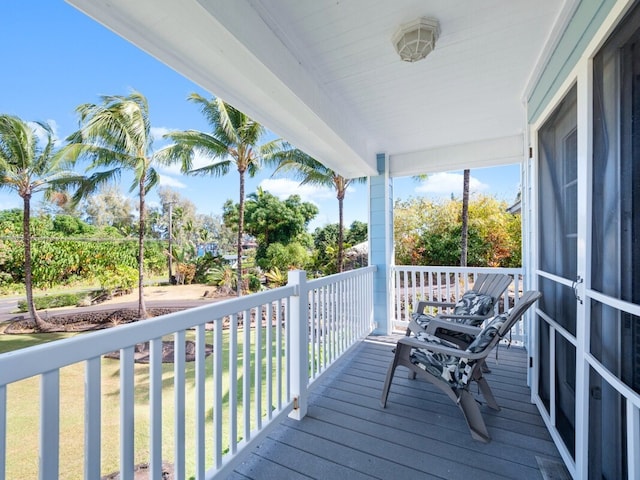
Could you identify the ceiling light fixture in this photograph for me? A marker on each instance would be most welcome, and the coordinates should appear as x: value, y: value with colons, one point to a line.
x: 415, y: 40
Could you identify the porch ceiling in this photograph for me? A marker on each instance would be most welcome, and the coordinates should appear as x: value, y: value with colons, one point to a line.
x: 324, y: 75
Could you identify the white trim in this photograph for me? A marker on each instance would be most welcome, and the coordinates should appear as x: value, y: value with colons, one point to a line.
x: 584, y: 101
x: 559, y: 27
x: 483, y: 153
x: 557, y: 439
x: 621, y: 387
x: 616, y: 303
x: 633, y: 441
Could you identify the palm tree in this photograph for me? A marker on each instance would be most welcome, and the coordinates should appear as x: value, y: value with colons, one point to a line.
x: 234, y: 140
x: 116, y: 135
x: 311, y: 172
x: 28, y: 168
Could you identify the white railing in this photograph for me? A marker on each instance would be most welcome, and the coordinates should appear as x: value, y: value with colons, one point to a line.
x: 446, y: 284
x: 200, y: 415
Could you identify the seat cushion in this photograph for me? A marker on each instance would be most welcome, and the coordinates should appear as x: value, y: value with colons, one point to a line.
x: 456, y: 370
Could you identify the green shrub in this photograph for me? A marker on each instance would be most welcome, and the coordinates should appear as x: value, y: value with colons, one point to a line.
x: 254, y: 283
x: 52, y: 301
x: 118, y: 277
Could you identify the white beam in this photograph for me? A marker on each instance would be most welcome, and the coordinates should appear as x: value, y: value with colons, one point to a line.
x: 484, y: 153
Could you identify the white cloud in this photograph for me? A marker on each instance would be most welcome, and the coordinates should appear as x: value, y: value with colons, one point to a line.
x: 446, y: 184
x: 42, y: 136
x: 284, y: 187
x: 167, y: 181
x: 158, y: 132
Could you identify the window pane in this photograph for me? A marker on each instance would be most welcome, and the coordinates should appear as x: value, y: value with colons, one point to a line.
x: 607, y: 431
x: 559, y: 302
x: 557, y: 195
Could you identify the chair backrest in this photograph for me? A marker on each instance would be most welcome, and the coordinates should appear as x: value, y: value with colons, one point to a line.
x: 500, y: 325
x: 493, y: 284
x: 490, y: 335
x: 480, y: 300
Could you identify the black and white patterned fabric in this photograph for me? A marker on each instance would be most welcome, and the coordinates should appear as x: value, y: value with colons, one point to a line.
x: 454, y: 369
x: 473, y: 303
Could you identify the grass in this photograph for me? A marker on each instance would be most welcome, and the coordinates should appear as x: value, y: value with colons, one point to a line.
x: 23, y: 403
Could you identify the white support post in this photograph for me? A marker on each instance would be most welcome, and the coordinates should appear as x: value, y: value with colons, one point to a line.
x: 299, y: 354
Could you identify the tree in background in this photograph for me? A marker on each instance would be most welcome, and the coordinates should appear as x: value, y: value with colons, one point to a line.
x: 277, y: 226
x: 28, y: 167
x: 116, y: 135
x: 234, y: 141
x: 428, y: 233
x: 325, y: 241
x: 358, y: 232
x: 311, y: 172
x: 108, y: 206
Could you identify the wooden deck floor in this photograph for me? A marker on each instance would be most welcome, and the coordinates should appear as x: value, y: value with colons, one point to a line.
x: 421, y: 433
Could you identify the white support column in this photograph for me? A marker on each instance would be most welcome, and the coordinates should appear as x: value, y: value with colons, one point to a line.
x: 381, y: 244
x: 299, y: 345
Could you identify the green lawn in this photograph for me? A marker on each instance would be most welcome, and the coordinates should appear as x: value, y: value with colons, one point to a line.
x: 24, y: 400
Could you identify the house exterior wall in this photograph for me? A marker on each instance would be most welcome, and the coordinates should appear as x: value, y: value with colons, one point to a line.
x: 583, y: 25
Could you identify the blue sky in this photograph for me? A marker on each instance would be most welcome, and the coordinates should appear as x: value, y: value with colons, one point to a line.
x: 56, y: 58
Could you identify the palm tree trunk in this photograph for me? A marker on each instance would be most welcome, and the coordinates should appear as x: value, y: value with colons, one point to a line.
x: 28, y: 283
x: 240, y: 233
x: 465, y: 220
x: 340, y: 233
x: 142, y: 308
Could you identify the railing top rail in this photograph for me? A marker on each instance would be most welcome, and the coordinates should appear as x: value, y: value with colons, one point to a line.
x: 27, y: 362
x: 441, y: 269
x: 324, y: 281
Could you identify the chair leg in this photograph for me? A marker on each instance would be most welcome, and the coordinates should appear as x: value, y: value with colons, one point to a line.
x: 487, y: 394
x: 389, y: 378
x: 472, y: 415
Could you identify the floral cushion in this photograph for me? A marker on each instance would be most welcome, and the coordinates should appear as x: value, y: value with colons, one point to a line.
x: 454, y: 369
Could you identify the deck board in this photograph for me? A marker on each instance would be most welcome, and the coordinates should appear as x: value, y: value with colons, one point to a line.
x: 421, y: 433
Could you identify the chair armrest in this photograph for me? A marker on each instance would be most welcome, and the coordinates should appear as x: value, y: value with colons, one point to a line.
x: 479, y: 318
x: 425, y: 303
x: 433, y: 347
x: 438, y: 323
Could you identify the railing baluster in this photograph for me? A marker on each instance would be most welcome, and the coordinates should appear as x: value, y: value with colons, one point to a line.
x: 155, y: 407
x: 279, y: 377
x: 246, y: 375
x: 92, y: 414
x: 127, y: 420
x: 258, y: 368
x: 179, y: 380
x: 269, y: 357
x: 49, y: 425
x: 199, y: 380
x: 3, y: 429
x: 217, y: 392
x: 233, y: 384
x: 398, y: 293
